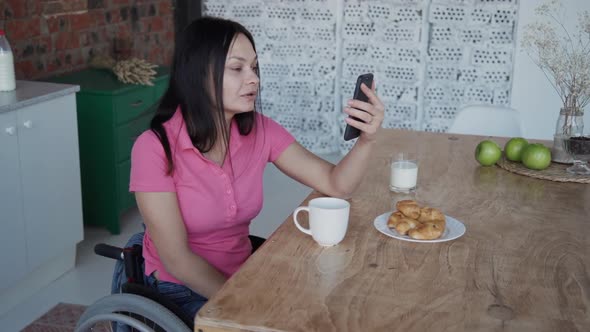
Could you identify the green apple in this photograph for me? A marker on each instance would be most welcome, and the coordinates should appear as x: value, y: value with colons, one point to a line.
x: 514, y: 147
x: 487, y: 153
x: 536, y: 156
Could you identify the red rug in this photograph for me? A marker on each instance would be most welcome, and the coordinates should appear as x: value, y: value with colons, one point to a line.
x: 61, y: 318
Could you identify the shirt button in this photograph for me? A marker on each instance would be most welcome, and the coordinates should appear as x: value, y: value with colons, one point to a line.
x: 233, y: 207
x: 228, y: 191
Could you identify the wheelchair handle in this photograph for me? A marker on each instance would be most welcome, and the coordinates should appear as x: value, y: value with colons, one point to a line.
x: 108, y: 251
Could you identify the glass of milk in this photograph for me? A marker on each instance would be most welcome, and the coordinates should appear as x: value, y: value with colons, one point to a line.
x: 404, y: 172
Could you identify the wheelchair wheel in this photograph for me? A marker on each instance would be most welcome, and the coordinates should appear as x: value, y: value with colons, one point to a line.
x: 129, y: 312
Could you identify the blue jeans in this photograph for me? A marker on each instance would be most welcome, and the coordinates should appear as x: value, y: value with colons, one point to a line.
x: 189, y: 301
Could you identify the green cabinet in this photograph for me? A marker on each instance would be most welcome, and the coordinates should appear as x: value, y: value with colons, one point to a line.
x: 111, y: 115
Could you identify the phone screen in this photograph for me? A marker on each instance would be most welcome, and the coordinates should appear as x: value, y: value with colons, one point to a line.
x: 352, y: 132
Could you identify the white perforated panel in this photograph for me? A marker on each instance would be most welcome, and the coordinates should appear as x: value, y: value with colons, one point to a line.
x: 469, y: 57
x: 429, y: 57
x: 295, y: 41
x: 384, y: 37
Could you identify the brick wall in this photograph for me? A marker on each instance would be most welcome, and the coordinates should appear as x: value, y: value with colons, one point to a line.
x: 50, y: 37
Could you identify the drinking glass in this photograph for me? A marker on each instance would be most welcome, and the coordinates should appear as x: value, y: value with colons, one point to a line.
x: 404, y: 172
x: 579, y: 148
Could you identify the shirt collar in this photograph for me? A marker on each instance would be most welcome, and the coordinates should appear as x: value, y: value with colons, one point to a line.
x: 177, y: 127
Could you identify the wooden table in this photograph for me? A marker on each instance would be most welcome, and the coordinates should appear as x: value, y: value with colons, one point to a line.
x: 522, y: 265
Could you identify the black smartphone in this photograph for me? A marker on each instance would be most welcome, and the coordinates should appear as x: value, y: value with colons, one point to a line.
x: 351, y: 132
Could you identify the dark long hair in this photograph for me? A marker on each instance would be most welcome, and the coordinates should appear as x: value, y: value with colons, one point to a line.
x: 199, y: 59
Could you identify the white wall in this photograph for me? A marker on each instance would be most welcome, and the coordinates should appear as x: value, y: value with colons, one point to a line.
x: 532, y: 95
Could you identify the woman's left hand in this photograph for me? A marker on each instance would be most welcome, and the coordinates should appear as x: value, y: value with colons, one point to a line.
x: 371, y: 113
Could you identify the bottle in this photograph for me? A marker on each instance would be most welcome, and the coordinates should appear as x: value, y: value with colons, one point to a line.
x: 7, y: 82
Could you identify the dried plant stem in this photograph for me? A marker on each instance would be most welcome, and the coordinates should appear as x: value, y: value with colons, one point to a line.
x: 562, y: 56
x: 132, y: 71
x: 569, y: 38
x: 135, y: 71
x: 543, y: 70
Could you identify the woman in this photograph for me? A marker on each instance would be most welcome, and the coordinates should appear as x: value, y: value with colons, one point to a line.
x: 197, y: 174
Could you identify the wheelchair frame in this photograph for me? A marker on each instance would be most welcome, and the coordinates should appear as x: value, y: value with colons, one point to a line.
x: 136, y: 302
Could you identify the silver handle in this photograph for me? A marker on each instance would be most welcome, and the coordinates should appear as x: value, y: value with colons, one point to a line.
x: 28, y: 124
x: 10, y: 131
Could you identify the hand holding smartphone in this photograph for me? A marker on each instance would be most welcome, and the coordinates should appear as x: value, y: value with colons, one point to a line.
x: 351, y: 132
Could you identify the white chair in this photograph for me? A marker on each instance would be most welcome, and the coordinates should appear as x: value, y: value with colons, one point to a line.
x: 487, y: 120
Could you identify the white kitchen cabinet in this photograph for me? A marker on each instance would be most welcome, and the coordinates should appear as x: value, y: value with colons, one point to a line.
x: 40, y: 195
x: 50, y: 177
x: 13, y: 254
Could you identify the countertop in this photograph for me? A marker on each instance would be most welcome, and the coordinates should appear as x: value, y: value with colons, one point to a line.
x: 31, y: 92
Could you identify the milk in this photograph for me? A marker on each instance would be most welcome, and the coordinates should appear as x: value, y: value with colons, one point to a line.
x: 404, y: 175
x: 7, y: 82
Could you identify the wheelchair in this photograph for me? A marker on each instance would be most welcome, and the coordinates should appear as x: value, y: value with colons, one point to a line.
x: 133, y: 305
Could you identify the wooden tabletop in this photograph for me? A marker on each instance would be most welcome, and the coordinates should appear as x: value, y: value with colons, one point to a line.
x: 522, y: 265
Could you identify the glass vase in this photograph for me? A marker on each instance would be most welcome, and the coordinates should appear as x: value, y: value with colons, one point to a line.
x: 569, y: 123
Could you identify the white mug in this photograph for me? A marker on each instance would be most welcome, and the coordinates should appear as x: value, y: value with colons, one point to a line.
x: 328, y: 220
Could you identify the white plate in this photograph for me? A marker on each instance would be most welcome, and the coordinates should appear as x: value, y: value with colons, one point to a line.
x: 454, y: 229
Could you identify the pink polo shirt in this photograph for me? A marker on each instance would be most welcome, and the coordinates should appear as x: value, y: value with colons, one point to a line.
x: 216, y: 203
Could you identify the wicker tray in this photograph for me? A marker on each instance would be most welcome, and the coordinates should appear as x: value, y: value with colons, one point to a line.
x: 555, y: 172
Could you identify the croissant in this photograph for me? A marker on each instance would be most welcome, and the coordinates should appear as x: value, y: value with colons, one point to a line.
x: 427, y: 231
x: 409, y: 208
x: 394, y: 219
x: 430, y: 214
x: 406, y: 224
x: 420, y: 223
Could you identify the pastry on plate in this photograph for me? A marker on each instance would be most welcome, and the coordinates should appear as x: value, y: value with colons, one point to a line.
x: 418, y: 222
x: 409, y: 208
x: 394, y: 219
x: 427, y: 231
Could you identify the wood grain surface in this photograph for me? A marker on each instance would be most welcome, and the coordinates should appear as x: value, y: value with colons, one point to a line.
x: 522, y: 265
